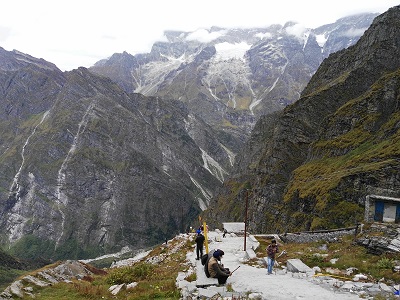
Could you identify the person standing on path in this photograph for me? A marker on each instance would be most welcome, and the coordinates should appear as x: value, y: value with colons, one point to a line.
x: 272, y: 249
x: 199, y: 245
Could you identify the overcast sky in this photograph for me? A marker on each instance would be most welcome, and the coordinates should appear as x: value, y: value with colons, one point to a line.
x: 74, y: 33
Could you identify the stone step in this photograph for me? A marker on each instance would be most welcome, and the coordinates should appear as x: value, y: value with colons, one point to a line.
x: 297, y: 266
x: 202, y: 280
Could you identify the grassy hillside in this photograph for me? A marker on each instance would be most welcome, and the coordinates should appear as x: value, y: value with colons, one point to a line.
x: 10, y: 268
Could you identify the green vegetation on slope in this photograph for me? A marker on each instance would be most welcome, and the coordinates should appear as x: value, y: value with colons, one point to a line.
x: 362, y: 145
x: 11, y: 268
x: 156, y: 274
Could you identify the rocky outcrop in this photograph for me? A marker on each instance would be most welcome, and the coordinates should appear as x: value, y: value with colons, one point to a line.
x: 388, y: 242
x: 63, y: 272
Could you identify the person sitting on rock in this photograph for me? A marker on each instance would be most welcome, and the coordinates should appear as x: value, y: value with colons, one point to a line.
x: 216, y: 269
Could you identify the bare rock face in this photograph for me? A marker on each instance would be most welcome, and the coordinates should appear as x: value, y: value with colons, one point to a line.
x: 312, y: 165
x: 92, y: 168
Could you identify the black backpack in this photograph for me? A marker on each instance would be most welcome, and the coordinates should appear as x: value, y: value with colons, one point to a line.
x: 204, y: 259
x: 207, y: 258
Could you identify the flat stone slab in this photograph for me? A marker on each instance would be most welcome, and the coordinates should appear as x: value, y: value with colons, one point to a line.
x: 297, y: 266
x: 206, y: 293
x: 255, y: 242
x: 35, y: 281
x: 250, y: 253
x: 206, y: 282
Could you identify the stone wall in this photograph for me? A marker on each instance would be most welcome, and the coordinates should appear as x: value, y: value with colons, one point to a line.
x: 315, y: 236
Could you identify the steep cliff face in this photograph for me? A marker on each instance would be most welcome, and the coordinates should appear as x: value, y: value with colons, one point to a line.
x: 234, y: 76
x: 338, y: 143
x: 87, y: 168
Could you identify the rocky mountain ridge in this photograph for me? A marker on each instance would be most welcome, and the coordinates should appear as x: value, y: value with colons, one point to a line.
x: 87, y: 168
x: 311, y: 166
x: 230, y: 77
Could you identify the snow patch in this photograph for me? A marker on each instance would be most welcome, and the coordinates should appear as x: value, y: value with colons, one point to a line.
x: 205, y: 36
x: 299, y: 31
x: 227, y: 51
x: 321, y: 39
x: 148, y: 77
x: 266, y: 35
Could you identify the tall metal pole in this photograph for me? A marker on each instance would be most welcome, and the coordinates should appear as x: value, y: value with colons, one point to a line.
x: 182, y: 223
x: 245, y: 220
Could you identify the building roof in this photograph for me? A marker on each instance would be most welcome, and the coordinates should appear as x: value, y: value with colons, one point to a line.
x: 234, y: 227
x: 384, y: 198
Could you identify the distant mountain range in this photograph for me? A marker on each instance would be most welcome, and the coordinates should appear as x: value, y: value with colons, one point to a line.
x: 230, y: 77
x: 90, y: 165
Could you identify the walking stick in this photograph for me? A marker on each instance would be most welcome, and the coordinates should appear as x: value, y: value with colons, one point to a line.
x: 235, y: 270
x: 282, y: 253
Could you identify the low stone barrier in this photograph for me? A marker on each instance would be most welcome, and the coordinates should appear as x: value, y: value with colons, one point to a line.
x: 315, y: 236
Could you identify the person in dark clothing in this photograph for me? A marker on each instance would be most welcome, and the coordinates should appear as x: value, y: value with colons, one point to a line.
x: 272, y: 249
x: 216, y: 269
x: 199, y: 245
